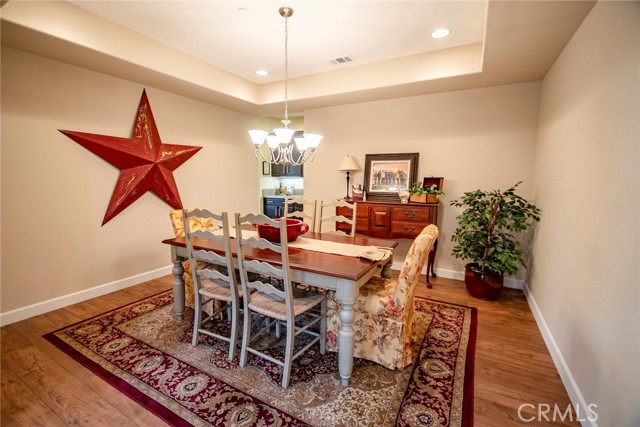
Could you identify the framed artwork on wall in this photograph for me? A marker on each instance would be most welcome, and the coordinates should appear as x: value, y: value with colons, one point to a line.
x: 386, y: 174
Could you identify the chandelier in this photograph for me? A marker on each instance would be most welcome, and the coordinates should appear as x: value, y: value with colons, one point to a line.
x: 280, y: 144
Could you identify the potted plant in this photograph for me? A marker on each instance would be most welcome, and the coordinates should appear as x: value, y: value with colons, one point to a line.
x: 485, y: 235
x: 417, y: 193
x: 432, y: 193
x: 421, y: 194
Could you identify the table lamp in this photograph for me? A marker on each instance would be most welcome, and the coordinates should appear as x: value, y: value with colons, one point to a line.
x: 348, y: 164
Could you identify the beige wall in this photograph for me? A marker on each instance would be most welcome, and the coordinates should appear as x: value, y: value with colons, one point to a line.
x: 585, y: 277
x: 481, y: 138
x: 55, y: 192
x: 585, y: 280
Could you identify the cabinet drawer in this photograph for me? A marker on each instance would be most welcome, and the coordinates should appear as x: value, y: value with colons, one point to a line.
x: 408, y: 228
x: 362, y: 211
x: 380, y: 218
x: 412, y: 214
x: 362, y: 225
x: 342, y: 210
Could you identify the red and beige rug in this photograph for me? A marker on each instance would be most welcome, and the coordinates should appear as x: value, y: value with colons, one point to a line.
x: 146, y: 354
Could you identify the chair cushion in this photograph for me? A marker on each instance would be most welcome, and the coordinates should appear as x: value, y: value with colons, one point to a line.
x: 275, y: 307
x: 218, y: 289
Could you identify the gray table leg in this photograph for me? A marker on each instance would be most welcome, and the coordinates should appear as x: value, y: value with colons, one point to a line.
x: 346, y: 295
x: 386, y: 269
x: 178, y: 283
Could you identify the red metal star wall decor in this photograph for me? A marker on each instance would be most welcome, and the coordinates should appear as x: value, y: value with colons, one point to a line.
x: 145, y: 163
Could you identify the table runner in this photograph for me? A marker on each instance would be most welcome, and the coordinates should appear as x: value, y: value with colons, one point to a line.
x: 370, y: 253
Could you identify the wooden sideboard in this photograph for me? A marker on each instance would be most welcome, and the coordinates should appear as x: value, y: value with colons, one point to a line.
x: 393, y: 220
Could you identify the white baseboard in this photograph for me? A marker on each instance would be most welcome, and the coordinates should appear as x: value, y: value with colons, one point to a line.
x: 561, y: 365
x: 459, y: 275
x: 76, y: 297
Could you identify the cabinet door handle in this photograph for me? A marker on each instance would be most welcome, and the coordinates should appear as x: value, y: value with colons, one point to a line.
x: 410, y: 214
x: 407, y: 228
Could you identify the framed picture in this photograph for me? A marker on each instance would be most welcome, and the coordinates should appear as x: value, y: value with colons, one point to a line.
x: 386, y: 174
x: 266, y: 168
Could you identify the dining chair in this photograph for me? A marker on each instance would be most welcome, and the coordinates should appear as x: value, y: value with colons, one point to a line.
x: 383, y: 322
x: 270, y: 293
x: 307, y: 212
x: 329, y: 212
x: 195, y: 223
x: 210, y: 283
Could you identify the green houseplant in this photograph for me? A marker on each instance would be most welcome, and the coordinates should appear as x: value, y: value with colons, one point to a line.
x: 418, y: 193
x: 486, y: 236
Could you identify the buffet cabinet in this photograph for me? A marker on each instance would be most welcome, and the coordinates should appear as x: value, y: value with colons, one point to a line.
x: 393, y: 220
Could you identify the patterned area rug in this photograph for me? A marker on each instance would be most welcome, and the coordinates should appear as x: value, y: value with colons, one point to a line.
x: 145, y: 353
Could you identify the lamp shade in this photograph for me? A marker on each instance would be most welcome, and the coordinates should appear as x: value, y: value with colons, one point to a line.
x: 348, y: 163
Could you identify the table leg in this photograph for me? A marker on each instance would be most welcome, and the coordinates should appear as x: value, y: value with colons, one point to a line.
x: 430, y: 262
x: 386, y: 269
x: 178, y: 283
x: 346, y: 294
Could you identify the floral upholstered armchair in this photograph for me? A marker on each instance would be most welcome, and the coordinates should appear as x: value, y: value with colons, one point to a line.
x: 384, y: 323
x: 195, y: 223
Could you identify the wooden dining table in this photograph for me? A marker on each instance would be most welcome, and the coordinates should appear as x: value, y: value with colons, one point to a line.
x: 343, y: 274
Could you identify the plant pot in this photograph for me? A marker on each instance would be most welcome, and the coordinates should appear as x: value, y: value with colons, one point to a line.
x: 485, y: 285
x: 418, y: 198
x: 432, y: 198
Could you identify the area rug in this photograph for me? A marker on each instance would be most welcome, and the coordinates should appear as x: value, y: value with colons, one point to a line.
x: 146, y: 354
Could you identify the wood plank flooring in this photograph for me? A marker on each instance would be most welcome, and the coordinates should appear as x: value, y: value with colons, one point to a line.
x: 41, y: 386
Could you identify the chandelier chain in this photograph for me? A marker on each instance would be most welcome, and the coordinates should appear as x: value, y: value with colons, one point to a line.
x: 286, y: 71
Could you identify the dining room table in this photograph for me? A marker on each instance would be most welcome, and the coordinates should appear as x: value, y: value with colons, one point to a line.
x: 314, y: 261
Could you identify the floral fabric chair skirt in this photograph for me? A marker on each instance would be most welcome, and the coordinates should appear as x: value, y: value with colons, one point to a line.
x: 382, y: 332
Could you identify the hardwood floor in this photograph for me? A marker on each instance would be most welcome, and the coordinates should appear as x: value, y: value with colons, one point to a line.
x: 41, y: 386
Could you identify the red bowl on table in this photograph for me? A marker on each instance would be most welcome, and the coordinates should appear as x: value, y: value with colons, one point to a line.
x: 295, y: 228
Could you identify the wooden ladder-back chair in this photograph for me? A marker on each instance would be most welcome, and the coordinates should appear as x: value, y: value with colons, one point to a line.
x: 306, y: 214
x: 327, y: 214
x: 383, y: 322
x: 210, y: 281
x: 270, y: 293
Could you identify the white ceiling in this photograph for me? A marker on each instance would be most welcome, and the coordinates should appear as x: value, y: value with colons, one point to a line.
x: 209, y: 51
x: 243, y: 36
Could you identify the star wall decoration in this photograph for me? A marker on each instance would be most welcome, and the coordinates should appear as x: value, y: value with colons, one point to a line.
x: 145, y: 163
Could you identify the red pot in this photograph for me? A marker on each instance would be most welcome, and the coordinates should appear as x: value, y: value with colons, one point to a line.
x: 295, y: 228
x: 485, y: 285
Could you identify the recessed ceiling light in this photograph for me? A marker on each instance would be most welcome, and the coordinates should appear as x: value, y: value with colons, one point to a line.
x: 262, y: 72
x: 440, y: 33
x: 242, y: 10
